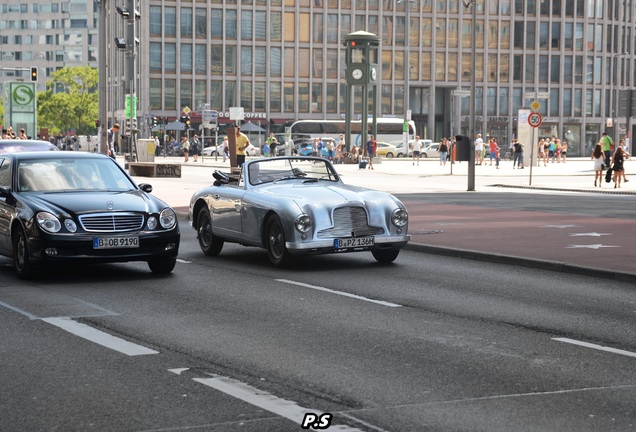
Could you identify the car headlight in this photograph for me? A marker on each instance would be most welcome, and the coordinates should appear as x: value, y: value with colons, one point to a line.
x: 168, y: 218
x: 303, y: 223
x: 48, y: 222
x: 70, y: 225
x: 152, y: 223
x: 399, y: 217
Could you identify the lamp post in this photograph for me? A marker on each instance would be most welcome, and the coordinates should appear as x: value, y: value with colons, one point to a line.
x: 407, y: 71
x: 103, y: 97
x: 471, y: 162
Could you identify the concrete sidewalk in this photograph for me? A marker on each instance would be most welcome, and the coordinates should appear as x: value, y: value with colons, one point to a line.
x: 585, y: 230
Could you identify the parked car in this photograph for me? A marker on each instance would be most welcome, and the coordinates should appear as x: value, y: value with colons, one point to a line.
x: 252, y: 150
x: 385, y: 149
x: 400, y: 150
x: 431, y: 151
x: 18, y: 145
x: 209, y: 151
x: 60, y: 207
x: 305, y: 147
x: 294, y: 206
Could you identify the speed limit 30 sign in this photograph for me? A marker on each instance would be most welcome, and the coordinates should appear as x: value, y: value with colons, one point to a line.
x: 535, y: 119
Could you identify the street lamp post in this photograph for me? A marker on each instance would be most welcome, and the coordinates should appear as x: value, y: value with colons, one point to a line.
x: 103, y: 96
x: 471, y: 162
x: 407, y: 71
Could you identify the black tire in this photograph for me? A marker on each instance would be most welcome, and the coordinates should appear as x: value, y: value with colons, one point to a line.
x: 389, y: 155
x: 21, y: 261
x: 424, y: 155
x: 385, y: 256
x: 162, y: 266
x: 210, y: 244
x: 275, y: 243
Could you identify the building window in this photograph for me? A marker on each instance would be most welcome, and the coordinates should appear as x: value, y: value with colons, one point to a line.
x: 186, y: 58
x: 216, y: 60
x: 503, y: 102
x: 200, y: 59
x: 288, y: 101
x: 185, y: 94
x: 317, y: 63
x: 230, y: 94
x: 276, y: 26
x: 246, y: 62
x: 170, y: 57
x: 170, y: 25
x: 230, y: 25
x: 275, y: 62
x: 186, y: 22
x: 246, y: 25
x: 290, y: 65
x: 230, y: 60
x: 260, y: 26
x: 274, y: 97
x: 332, y: 98
x: 316, y: 98
x: 260, y: 97
x: 554, y: 102
x: 216, y: 24
x: 156, y: 64
x: 155, y: 21
x: 246, y: 95
x: 201, y: 23
x: 200, y: 93
x: 169, y: 94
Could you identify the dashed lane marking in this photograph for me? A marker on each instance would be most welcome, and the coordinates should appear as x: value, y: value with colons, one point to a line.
x: 341, y: 293
x: 596, y: 347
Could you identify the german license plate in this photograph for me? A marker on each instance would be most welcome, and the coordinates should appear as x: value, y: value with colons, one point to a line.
x: 115, y: 242
x: 352, y: 243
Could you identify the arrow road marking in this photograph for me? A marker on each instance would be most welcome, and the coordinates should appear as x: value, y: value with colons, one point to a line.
x: 593, y: 234
x: 592, y: 246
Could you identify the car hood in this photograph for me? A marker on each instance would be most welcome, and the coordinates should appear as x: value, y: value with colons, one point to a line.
x: 91, y: 201
x: 321, y: 194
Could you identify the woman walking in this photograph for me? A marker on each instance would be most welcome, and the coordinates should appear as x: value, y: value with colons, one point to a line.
x: 617, y: 165
x: 443, y: 152
x: 598, y: 157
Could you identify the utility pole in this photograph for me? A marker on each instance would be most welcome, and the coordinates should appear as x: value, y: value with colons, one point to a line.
x: 103, y: 69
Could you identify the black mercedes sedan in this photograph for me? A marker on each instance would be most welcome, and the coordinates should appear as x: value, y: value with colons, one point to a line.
x: 80, y: 207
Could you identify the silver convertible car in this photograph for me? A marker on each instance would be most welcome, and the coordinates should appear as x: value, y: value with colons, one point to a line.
x: 294, y: 206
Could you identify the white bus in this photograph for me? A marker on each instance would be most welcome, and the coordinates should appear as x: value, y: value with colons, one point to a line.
x: 389, y: 129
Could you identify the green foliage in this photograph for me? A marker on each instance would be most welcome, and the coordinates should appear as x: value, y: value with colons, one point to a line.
x: 70, y: 102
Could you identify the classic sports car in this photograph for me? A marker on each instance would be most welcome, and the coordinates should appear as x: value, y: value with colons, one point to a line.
x: 297, y: 205
x: 75, y: 206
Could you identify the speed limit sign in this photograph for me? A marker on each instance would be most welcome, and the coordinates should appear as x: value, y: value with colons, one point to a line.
x: 535, y: 119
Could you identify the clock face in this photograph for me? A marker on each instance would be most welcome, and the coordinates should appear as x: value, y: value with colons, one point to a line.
x: 356, y: 74
x: 374, y: 74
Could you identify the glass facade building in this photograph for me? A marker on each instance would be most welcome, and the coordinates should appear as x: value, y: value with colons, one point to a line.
x: 284, y: 59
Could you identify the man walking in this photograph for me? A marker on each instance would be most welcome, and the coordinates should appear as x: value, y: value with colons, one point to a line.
x: 111, y: 140
x: 479, y: 146
x: 608, y: 146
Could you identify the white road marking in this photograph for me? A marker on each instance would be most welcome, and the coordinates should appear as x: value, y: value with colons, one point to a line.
x: 560, y: 226
x: 592, y: 246
x: 592, y: 234
x: 178, y: 371
x: 597, y: 347
x: 342, y: 293
x: 99, y: 337
x: 267, y: 401
x: 20, y: 311
x: 184, y: 261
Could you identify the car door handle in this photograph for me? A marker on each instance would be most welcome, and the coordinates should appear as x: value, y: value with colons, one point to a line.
x: 216, y: 197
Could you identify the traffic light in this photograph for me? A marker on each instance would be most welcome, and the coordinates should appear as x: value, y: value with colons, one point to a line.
x: 154, y: 121
x: 187, y: 122
x: 34, y: 74
x: 97, y: 123
x: 182, y: 119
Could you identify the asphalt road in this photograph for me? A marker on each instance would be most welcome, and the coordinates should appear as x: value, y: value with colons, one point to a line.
x: 429, y: 343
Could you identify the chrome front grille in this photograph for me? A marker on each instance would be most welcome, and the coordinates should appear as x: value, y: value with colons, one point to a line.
x: 350, y: 222
x: 112, y: 222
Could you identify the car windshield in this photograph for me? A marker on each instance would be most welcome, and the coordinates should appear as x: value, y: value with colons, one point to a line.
x: 48, y: 175
x: 17, y: 146
x: 306, y: 169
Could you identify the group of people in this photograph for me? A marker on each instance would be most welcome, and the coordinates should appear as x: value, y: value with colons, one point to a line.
x: 614, y: 163
x: 8, y: 133
x: 552, y: 150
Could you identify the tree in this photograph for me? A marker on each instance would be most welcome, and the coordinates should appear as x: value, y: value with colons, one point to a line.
x: 70, y: 102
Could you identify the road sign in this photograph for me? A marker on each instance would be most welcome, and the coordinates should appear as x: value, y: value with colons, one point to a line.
x: 186, y: 110
x: 535, y: 105
x: 462, y: 93
x: 237, y: 113
x: 535, y: 119
x: 210, y: 115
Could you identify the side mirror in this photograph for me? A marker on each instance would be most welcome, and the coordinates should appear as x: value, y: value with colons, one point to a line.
x: 145, y: 187
x: 4, y: 192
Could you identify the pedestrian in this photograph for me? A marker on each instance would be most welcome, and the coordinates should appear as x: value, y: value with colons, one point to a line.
x: 541, y: 152
x: 185, y: 146
x: 417, y: 149
x: 330, y: 149
x: 617, y: 165
x: 112, y: 139
x: 493, y: 150
x: 443, y: 152
x: 242, y: 142
x: 314, y: 147
x: 599, y: 158
x: 479, y: 146
x: 551, y: 150
x: 564, y: 150
x: 623, y: 144
x: 195, y: 145
x: 273, y: 143
x: 10, y: 133
x: 372, y: 147
x: 265, y: 149
x: 225, y: 148
x: 608, y: 145
x: 23, y: 134
x: 517, y: 155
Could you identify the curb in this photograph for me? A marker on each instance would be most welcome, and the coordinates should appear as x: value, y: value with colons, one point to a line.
x: 523, y: 262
